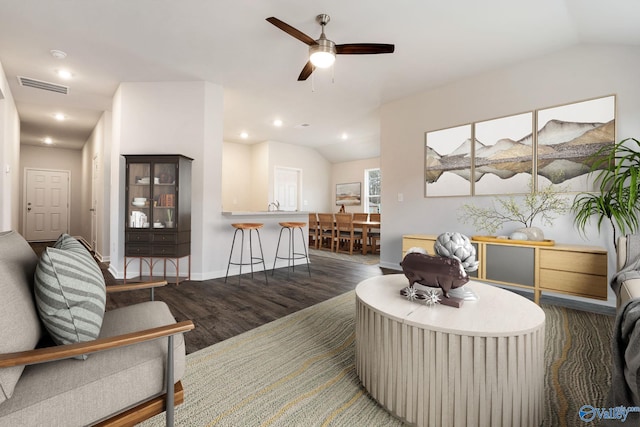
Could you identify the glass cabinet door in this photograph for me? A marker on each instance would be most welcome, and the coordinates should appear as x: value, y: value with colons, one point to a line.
x: 139, y: 195
x: 164, y: 195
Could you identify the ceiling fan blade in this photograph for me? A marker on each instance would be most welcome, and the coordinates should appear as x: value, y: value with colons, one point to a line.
x: 364, y: 48
x: 292, y: 31
x: 306, y: 71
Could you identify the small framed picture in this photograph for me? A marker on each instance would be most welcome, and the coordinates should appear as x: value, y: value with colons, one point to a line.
x: 349, y: 194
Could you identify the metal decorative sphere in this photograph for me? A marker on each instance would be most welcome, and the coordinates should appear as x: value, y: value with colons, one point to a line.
x: 457, y: 246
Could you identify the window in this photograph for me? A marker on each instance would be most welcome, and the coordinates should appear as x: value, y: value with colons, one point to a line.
x: 372, y: 183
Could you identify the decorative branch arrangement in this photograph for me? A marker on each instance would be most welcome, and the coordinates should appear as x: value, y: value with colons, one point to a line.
x: 544, y: 205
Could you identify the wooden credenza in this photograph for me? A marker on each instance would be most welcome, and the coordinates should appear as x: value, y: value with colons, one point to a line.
x: 567, y: 269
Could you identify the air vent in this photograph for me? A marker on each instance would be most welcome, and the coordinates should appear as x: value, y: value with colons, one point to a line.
x: 39, y: 84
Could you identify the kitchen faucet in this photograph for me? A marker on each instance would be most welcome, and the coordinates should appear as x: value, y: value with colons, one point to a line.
x: 275, y: 205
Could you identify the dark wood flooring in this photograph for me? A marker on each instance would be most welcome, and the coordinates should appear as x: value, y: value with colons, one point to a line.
x: 222, y: 310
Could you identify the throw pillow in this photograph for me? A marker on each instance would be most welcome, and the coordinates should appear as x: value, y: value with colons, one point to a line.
x: 70, y: 294
x: 66, y: 242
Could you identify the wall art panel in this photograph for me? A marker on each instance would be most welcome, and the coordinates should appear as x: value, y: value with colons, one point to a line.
x: 503, y: 162
x: 568, y: 136
x: 448, y: 156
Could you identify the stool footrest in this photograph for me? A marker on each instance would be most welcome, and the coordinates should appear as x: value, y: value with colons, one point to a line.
x: 292, y: 255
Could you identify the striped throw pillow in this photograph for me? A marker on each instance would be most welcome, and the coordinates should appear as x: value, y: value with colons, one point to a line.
x: 70, y: 294
x: 66, y: 242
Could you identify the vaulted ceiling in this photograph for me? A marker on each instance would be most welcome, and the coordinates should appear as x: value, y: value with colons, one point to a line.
x: 228, y: 42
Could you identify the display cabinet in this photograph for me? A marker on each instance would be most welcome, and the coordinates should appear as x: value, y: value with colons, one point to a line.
x: 158, y: 210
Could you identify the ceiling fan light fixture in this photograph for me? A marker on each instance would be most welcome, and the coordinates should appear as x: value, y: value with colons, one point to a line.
x: 322, y: 54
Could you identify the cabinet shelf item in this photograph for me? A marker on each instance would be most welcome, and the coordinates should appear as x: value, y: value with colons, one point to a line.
x: 161, y: 228
x: 567, y: 269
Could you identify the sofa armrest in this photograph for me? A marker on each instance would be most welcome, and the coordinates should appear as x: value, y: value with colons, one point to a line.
x: 48, y: 354
x: 629, y: 289
x: 135, y: 286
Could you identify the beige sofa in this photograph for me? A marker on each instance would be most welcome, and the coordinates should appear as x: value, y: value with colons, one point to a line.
x: 138, y: 354
x: 630, y: 288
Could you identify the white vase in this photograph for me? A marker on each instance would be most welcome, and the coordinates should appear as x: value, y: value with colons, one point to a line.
x: 168, y: 224
x: 532, y: 233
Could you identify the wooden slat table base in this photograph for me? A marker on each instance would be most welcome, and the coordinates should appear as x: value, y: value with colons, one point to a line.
x: 445, y: 378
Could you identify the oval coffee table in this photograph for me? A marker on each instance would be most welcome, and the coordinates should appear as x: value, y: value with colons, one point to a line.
x: 478, y: 365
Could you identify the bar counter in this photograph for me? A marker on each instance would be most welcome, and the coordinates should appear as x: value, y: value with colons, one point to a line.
x: 268, y: 235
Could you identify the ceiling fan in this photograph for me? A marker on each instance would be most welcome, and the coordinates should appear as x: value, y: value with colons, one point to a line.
x: 322, y: 52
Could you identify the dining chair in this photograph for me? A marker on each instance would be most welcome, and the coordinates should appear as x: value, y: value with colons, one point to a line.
x: 325, y: 231
x: 374, y: 234
x: 359, y: 216
x: 345, y: 236
x: 313, y: 230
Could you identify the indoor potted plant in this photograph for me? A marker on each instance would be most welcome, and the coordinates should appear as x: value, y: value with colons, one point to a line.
x: 617, y: 168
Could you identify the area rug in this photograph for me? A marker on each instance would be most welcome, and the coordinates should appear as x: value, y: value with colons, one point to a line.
x: 368, y: 259
x: 299, y: 371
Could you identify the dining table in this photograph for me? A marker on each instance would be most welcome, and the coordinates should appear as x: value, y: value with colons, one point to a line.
x: 366, y: 227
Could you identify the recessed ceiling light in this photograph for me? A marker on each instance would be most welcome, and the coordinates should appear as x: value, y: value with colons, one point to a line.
x: 344, y: 136
x: 59, y: 117
x: 277, y: 123
x: 244, y: 135
x: 64, y: 74
x: 48, y: 140
x: 58, y: 54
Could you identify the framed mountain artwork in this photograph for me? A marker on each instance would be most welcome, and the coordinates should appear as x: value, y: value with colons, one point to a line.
x: 568, y: 136
x: 448, y: 156
x: 503, y: 159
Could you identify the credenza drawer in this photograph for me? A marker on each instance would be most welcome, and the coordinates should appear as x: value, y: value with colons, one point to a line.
x: 408, y: 243
x: 581, y: 284
x: 579, y: 262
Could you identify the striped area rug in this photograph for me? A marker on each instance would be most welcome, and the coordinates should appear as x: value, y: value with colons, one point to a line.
x: 299, y: 371
x: 578, y: 355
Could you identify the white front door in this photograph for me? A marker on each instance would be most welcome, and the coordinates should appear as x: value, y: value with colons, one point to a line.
x: 46, y: 204
x: 287, y: 188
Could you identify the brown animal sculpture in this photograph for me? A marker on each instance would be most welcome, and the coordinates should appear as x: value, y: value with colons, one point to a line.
x: 434, y: 271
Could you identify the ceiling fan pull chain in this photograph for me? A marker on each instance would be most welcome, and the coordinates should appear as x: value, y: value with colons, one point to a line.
x: 333, y: 73
x: 313, y: 87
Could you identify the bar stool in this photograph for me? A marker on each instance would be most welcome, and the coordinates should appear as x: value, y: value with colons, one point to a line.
x: 292, y: 255
x: 241, y: 227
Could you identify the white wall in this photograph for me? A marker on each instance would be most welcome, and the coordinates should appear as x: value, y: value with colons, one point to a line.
x: 259, y: 176
x: 351, y: 172
x: 574, y: 74
x: 316, y: 171
x: 248, y: 171
x: 236, y: 177
x: 97, y: 146
x: 32, y: 156
x: 9, y: 158
x: 172, y: 118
